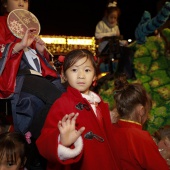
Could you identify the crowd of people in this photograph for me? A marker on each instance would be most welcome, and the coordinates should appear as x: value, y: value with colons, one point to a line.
x: 67, y: 126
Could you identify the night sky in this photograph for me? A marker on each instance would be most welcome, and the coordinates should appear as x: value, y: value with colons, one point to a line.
x: 79, y: 17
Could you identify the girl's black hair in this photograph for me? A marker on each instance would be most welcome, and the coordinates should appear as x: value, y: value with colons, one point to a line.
x: 73, y: 56
x: 128, y: 95
x: 13, y: 145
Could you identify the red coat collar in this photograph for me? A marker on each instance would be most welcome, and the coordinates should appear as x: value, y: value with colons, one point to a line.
x: 129, y: 124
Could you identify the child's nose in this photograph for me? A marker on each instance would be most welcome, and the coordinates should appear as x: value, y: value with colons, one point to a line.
x: 81, y: 74
x: 21, y: 3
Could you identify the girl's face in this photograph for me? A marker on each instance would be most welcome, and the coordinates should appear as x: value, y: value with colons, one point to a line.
x: 9, y: 165
x: 16, y: 4
x: 81, y: 75
x: 112, y: 18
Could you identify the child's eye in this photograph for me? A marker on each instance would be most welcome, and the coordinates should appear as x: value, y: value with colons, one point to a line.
x: 10, y: 164
x: 87, y: 70
x: 74, y: 70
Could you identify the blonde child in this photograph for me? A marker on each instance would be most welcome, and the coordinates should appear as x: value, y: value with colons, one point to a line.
x: 77, y: 131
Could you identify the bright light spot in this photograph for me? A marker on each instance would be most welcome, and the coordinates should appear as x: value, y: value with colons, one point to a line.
x: 103, y: 74
x: 54, y: 40
x: 80, y: 41
x: 129, y: 40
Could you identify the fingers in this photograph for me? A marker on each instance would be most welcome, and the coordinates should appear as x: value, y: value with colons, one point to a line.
x: 71, y: 116
x: 28, y: 37
x: 40, y: 41
x: 68, y: 119
x: 60, y: 125
x: 31, y: 31
x: 80, y: 131
x: 74, y: 118
x: 64, y: 118
x: 67, y: 129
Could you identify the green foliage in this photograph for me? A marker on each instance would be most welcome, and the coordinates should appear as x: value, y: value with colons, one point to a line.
x: 142, y: 64
x: 107, y: 93
x: 152, y: 69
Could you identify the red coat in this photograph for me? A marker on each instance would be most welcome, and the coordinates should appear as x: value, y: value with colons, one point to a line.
x: 135, y: 148
x: 11, y: 63
x: 95, y: 155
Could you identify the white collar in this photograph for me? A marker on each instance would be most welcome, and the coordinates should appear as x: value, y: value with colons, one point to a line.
x: 91, y: 97
x: 31, y: 55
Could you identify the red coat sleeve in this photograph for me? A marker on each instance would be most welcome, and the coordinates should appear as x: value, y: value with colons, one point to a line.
x: 9, y: 63
x: 47, y: 143
x: 9, y: 72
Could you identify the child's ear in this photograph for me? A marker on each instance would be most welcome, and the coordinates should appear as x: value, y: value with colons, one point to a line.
x: 94, y: 83
x: 141, y: 110
x: 94, y: 78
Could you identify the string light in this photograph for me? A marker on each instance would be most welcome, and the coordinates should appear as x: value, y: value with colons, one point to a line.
x: 63, y: 44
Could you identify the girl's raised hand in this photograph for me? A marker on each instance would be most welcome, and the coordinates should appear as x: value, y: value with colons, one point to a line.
x: 67, y: 128
x: 28, y: 38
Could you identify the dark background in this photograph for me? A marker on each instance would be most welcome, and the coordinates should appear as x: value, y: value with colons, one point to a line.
x: 79, y: 17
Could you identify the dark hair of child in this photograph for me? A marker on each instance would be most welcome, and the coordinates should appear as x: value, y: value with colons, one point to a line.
x: 127, y: 96
x: 13, y: 145
x: 72, y: 57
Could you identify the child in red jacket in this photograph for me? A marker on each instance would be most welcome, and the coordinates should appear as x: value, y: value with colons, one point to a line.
x: 77, y: 131
x: 135, y: 148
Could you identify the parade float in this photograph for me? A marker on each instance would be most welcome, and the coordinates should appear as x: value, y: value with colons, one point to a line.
x: 151, y: 63
x: 151, y: 60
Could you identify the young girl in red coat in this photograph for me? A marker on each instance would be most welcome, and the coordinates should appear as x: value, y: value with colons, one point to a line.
x: 76, y: 134
x: 135, y: 148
